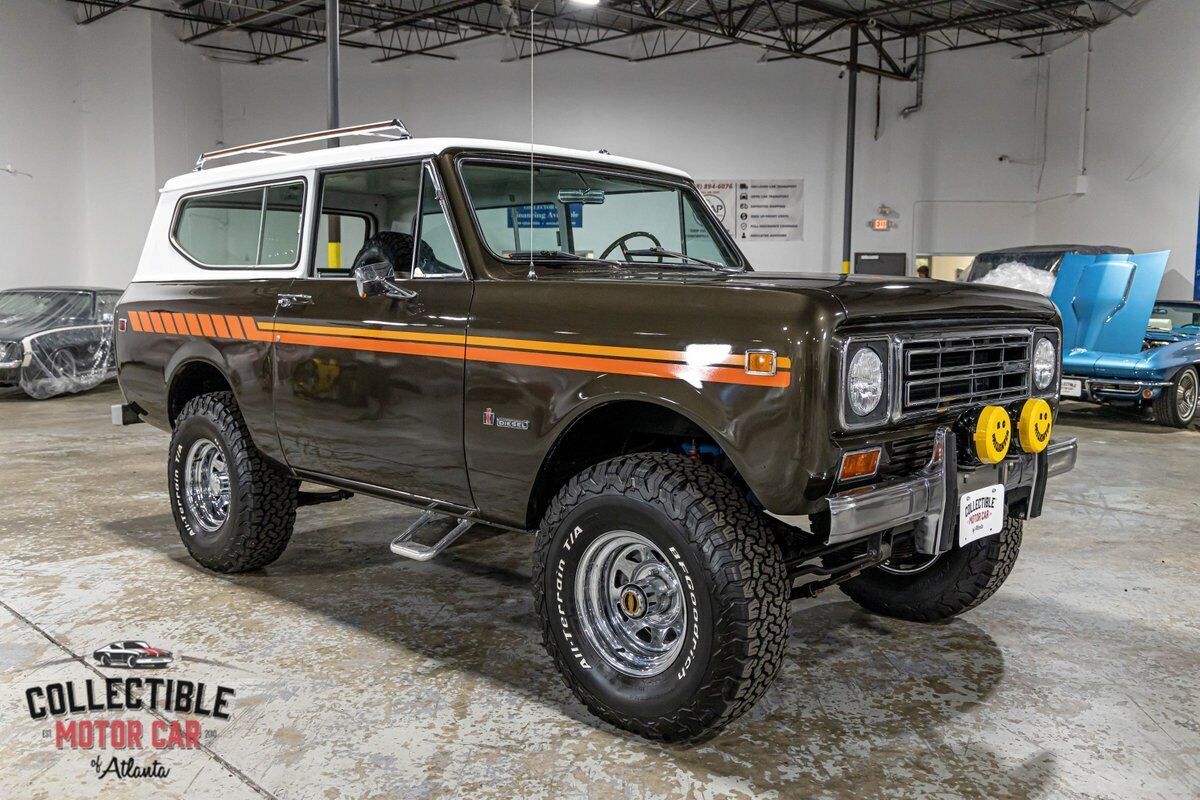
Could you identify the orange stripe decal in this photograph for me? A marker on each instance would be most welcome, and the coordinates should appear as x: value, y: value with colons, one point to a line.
x: 206, y: 326
x: 366, y: 333
x: 134, y: 322
x: 235, y: 327
x: 718, y: 366
x: 144, y: 319
x: 618, y: 366
x: 378, y: 346
x: 253, y: 332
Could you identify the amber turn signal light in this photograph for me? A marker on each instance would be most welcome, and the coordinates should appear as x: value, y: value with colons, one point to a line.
x: 860, y: 464
x: 760, y: 362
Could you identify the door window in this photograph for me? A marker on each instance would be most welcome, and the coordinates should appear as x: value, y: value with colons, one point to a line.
x: 387, y: 199
x: 353, y: 231
x: 437, y: 253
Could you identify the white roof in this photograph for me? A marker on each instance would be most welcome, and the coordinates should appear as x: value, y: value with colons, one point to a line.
x: 278, y: 166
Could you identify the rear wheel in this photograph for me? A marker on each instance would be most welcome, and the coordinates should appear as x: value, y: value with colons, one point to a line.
x: 663, y: 596
x: 234, y: 508
x: 926, y: 588
x: 1176, y: 405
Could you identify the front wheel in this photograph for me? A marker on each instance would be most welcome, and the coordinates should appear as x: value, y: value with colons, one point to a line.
x: 936, y: 588
x: 663, y: 596
x: 1176, y: 404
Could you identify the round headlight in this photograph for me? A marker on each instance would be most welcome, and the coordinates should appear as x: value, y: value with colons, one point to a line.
x: 1044, y: 362
x: 865, y: 381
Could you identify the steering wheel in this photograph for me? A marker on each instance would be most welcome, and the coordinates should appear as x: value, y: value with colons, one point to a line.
x: 620, y: 242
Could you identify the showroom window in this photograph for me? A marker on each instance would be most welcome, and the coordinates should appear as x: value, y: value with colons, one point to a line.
x: 242, y: 228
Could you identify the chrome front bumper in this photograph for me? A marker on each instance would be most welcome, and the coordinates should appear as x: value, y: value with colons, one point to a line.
x: 1117, y: 388
x: 930, y: 499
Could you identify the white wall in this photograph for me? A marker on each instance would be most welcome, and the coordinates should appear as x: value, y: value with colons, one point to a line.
x: 719, y: 114
x: 1143, y: 140
x: 40, y: 133
x: 101, y: 115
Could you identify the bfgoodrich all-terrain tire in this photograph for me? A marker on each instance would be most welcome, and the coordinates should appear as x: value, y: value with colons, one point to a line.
x: 1176, y: 405
x: 663, y: 596
x: 954, y: 582
x: 234, y: 509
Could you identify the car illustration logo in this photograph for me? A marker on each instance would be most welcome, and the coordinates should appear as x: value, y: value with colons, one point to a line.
x: 132, y: 654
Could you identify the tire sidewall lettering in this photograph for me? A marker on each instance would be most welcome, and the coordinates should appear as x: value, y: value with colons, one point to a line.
x: 674, y: 685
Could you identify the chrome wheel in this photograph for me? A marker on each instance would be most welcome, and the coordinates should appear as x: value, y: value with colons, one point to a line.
x: 206, y: 484
x: 630, y: 604
x: 1186, y: 395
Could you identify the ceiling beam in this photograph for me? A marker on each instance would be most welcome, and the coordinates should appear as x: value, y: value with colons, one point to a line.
x: 110, y: 10
x: 249, y: 19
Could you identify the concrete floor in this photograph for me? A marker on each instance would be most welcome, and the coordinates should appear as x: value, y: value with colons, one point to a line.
x: 362, y: 675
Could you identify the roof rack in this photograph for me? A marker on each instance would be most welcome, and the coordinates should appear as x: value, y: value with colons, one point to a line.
x: 268, y: 148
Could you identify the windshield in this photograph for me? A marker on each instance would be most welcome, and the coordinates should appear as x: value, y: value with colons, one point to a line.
x: 1032, y: 272
x: 44, y: 305
x: 1177, y: 318
x: 579, y: 215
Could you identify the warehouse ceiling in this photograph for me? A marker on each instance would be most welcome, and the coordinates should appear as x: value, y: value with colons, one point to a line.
x: 891, y: 31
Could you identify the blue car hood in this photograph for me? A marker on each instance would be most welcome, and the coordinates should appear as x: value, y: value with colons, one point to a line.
x: 1106, y: 300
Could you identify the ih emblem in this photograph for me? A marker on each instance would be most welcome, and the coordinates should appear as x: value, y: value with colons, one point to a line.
x: 492, y: 419
x: 633, y: 602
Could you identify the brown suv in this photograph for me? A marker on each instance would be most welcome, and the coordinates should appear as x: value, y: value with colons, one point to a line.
x: 568, y: 342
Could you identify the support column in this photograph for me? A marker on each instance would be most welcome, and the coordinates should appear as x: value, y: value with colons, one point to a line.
x: 333, y: 36
x: 851, y: 111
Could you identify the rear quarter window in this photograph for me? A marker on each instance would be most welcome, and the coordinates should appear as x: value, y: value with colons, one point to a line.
x: 252, y: 227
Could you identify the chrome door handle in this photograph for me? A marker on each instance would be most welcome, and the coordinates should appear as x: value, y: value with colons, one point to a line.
x: 290, y: 300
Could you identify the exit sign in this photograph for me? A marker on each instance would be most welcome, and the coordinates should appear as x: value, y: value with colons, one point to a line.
x: 881, y: 224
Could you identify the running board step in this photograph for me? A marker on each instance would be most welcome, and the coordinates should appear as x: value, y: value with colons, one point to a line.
x: 403, y: 545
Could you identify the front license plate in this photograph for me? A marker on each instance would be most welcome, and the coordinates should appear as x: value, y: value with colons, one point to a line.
x: 980, y: 513
x: 1071, y: 388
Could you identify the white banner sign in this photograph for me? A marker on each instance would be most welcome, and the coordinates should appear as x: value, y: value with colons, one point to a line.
x: 754, y: 209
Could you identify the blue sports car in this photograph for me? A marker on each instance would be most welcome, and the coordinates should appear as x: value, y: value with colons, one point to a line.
x: 1120, y: 344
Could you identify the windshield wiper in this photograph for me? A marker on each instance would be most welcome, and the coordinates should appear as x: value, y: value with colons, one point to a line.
x: 558, y: 255
x: 662, y: 252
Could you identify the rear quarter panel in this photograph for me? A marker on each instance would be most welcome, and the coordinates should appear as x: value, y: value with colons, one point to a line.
x: 170, y: 325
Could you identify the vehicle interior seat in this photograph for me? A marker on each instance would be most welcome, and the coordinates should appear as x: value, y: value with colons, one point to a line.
x: 397, y: 249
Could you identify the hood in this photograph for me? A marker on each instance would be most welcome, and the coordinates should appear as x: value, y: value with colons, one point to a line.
x: 863, y: 300
x: 1106, y: 300
x: 878, y: 299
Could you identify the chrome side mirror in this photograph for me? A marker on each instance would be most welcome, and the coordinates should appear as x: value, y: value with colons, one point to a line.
x: 378, y: 279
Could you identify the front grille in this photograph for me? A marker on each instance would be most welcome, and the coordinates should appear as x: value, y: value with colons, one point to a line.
x: 906, y: 456
x: 970, y: 369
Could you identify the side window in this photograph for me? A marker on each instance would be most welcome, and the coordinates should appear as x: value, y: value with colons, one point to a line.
x: 281, y: 225
x: 388, y: 196
x: 242, y: 228
x: 436, y: 254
